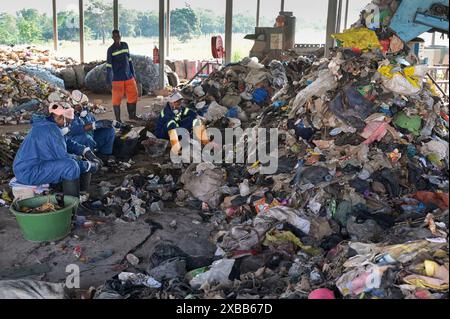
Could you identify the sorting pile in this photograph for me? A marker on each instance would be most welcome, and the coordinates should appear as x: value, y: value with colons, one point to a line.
x: 358, y: 207
x: 32, y: 56
x: 9, y: 145
x: 22, y: 94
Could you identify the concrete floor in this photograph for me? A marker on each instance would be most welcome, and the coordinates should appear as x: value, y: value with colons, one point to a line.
x: 48, y: 261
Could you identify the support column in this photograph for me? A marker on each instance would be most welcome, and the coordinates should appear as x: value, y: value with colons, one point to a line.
x: 168, y: 29
x: 282, y: 5
x: 258, y: 8
x: 331, y: 26
x: 346, y: 14
x: 162, y: 37
x: 55, y: 26
x: 116, y: 14
x: 228, y: 30
x: 339, y: 17
x: 81, y: 14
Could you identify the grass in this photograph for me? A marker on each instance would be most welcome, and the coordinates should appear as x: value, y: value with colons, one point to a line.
x: 195, y: 49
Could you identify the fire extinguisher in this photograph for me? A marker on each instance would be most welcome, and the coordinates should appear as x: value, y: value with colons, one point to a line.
x: 156, y: 55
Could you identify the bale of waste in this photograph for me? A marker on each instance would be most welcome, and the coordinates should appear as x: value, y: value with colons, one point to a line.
x: 147, y: 73
x: 96, y: 80
x: 70, y: 78
x: 80, y: 75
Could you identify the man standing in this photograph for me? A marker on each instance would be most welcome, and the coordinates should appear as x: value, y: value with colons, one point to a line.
x: 121, y: 76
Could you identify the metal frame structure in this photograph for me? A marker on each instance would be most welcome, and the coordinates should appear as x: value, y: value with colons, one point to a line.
x: 162, y: 37
x: 55, y: 26
x: 116, y: 13
x: 258, y: 8
x: 228, y: 30
x: 333, y: 25
x: 81, y: 26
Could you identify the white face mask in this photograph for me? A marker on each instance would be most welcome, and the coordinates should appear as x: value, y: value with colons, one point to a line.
x: 176, y: 111
x: 84, y: 113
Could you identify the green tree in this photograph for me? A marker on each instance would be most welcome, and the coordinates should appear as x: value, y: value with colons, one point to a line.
x: 68, y: 26
x: 29, y: 26
x: 184, y: 24
x: 243, y: 23
x: 8, y: 29
x: 210, y: 22
x: 147, y: 24
x: 127, y: 22
x: 98, y: 18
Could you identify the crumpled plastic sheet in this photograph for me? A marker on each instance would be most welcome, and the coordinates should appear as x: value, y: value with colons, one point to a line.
x: 325, y: 82
x: 30, y: 289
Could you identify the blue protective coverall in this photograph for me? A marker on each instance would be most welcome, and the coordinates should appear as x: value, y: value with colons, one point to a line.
x: 118, y: 63
x: 101, y: 140
x: 43, y: 157
x: 168, y: 120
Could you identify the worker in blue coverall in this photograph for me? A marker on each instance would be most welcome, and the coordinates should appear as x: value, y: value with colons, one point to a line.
x: 174, y: 115
x: 48, y: 156
x: 86, y: 130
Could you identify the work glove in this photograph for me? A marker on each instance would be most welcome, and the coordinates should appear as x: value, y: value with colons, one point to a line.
x: 65, y: 131
x: 91, y: 157
x: 93, y: 167
x: 102, y: 124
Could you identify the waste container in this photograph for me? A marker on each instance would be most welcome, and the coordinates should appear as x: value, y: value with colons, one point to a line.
x: 43, y: 227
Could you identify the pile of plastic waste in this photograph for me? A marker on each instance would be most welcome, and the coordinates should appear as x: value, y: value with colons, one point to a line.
x: 358, y: 207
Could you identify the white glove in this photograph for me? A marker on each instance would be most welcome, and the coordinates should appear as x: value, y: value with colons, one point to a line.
x: 65, y: 130
x: 93, y: 125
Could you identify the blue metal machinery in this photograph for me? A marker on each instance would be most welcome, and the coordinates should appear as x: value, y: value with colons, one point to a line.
x: 414, y: 17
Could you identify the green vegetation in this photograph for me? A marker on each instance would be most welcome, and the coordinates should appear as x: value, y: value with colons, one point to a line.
x: 28, y: 26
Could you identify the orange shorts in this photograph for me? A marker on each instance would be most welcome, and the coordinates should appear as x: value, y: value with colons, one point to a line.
x: 122, y: 88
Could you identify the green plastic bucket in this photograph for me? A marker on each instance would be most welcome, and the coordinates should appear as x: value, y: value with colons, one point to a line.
x: 46, y: 226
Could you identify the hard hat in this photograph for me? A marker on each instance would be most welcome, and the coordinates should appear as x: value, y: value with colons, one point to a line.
x: 60, y: 109
x: 79, y: 98
x: 175, y: 97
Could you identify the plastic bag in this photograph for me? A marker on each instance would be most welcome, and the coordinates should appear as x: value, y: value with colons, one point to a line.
x: 278, y: 74
x: 205, y: 185
x: 362, y: 279
x: 319, y: 87
x: 215, y: 112
x: 361, y: 38
x: 406, y: 82
x: 30, y: 289
x: 219, y: 272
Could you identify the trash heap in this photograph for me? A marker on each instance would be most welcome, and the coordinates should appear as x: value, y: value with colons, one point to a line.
x: 32, y: 56
x: 22, y: 94
x: 137, y: 195
x: 359, y: 205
